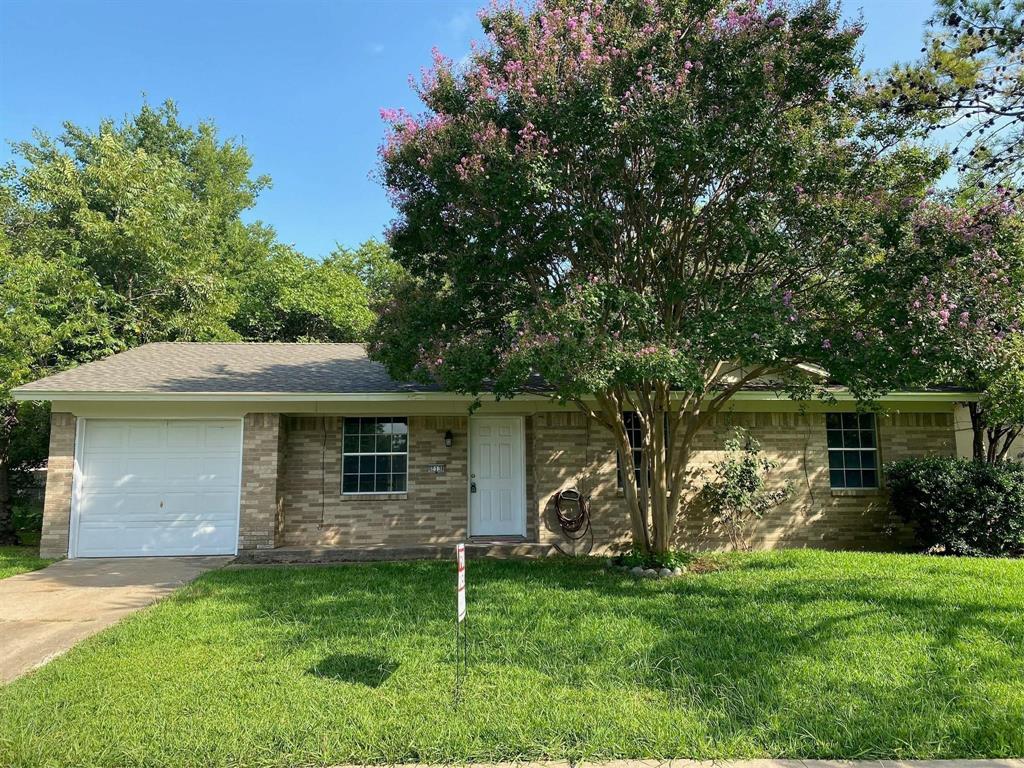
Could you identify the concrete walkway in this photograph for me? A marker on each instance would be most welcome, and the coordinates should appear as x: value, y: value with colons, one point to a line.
x: 44, y: 613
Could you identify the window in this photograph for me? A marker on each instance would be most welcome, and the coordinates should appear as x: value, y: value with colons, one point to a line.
x: 852, y: 450
x: 634, y: 431
x: 375, y: 454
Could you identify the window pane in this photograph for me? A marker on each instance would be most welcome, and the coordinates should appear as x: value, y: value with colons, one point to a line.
x: 351, y: 465
x: 398, y: 483
x: 867, y: 421
x: 867, y: 459
x: 383, y: 443
x: 367, y: 443
x: 849, y: 421
x: 867, y: 438
x: 870, y: 478
x: 833, y: 421
x: 383, y: 464
x: 398, y: 463
x: 853, y: 478
x: 351, y: 426
x: 835, y: 459
x: 366, y: 483
x: 350, y: 484
x: 400, y: 443
x: 366, y: 465
x: 836, y: 478
x: 852, y: 459
x: 400, y: 426
x: 851, y: 439
x: 366, y: 424
x: 835, y: 439
x: 351, y: 444
x: 382, y: 483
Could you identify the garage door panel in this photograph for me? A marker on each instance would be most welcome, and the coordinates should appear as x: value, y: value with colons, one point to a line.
x: 115, y: 540
x: 147, y: 436
x: 200, y: 506
x: 159, y: 487
x: 111, y: 507
x: 106, y: 437
x: 205, y: 472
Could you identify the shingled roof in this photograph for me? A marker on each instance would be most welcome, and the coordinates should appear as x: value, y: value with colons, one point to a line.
x: 223, y: 368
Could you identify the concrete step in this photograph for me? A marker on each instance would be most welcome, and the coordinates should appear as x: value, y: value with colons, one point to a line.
x: 503, y: 549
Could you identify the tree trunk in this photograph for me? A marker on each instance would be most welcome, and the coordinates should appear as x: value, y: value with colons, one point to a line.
x: 7, y: 533
x: 978, y: 430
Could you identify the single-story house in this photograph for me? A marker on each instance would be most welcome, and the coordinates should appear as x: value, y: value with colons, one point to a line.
x: 188, y: 448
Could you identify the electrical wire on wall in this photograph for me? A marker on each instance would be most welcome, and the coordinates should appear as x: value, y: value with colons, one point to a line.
x: 572, y: 508
x: 323, y: 469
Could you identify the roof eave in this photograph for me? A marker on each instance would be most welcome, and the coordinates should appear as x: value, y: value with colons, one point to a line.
x: 22, y: 394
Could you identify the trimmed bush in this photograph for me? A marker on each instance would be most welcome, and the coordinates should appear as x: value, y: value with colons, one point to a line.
x: 961, y: 507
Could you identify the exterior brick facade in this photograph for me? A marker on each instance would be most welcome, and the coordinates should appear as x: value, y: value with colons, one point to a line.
x: 563, y: 450
x: 291, y: 482
x: 60, y: 471
x: 433, y: 510
x: 260, y: 512
x: 571, y: 452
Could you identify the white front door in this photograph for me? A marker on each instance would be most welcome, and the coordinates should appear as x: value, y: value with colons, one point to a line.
x: 497, y: 496
x: 158, y: 487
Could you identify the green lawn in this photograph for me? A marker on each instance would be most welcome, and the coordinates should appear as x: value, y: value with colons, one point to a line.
x: 800, y: 654
x: 19, y: 560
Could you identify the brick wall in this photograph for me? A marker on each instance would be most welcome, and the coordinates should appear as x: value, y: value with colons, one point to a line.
x: 569, y: 451
x: 433, y: 509
x: 259, y: 514
x: 59, y: 479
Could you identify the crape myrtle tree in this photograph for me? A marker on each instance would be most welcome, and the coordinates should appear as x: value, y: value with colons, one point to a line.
x: 965, y: 319
x: 641, y: 206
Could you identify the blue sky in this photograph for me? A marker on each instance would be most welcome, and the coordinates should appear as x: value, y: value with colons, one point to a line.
x: 300, y: 81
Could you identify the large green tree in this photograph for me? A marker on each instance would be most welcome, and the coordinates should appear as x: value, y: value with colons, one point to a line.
x: 286, y: 296
x: 649, y: 205
x: 132, y: 233
x: 969, y: 86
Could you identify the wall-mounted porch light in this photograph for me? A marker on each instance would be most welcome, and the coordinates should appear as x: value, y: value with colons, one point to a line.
x: 449, y: 439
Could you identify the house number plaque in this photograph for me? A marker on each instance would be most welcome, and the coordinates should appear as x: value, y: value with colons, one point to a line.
x: 435, y: 469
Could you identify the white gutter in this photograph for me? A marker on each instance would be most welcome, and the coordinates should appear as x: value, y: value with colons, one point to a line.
x: 377, y: 397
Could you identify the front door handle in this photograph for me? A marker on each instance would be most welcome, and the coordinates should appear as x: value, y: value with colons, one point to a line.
x: 472, y: 487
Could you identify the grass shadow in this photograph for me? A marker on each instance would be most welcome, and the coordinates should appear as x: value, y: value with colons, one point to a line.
x: 356, y: 668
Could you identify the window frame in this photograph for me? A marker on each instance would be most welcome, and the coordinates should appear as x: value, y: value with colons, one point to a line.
x: 844, y: 424
x: 635, y: 450
x: 375, y: 453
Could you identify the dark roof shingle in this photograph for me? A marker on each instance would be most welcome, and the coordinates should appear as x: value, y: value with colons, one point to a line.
x: 203, y: 368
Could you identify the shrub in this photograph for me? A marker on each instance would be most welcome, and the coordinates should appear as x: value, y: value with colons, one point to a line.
x: 672, y: 559
x: 739, y: 492
x: 961, y: 507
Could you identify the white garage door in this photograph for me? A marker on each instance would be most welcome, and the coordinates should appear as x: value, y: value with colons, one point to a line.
x: 160, y: 487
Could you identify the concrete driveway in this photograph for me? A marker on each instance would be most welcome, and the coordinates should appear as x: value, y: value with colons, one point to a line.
x: 44, y: 613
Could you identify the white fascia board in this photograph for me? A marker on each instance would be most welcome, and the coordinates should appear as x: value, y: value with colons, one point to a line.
x: 398, y: 397
x: 846, y: 397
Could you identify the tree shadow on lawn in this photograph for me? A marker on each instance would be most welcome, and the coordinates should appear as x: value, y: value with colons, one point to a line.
x: 862, y: 663
x: 363, y: 669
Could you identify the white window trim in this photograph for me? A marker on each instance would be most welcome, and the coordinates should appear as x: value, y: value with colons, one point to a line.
x: 406, y: 453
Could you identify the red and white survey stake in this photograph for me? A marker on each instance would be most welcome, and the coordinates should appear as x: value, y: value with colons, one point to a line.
x: 460, y: 556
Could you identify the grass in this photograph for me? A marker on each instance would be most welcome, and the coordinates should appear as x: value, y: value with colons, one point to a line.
x: 20, y: 559
x: 796, y: 654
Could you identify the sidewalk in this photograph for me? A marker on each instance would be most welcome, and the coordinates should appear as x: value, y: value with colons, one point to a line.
x: 1006, y: 763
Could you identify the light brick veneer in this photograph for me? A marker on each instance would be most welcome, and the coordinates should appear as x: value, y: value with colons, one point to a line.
x: 433, y: 510
x: 59, y: 480
x: 569, y: 451
x: 259, y: 517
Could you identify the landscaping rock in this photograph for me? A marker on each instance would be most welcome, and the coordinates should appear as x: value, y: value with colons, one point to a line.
x: 637, y: 570
x: 678, y: 571
x: 650, y: 573
x: 665, y: 572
